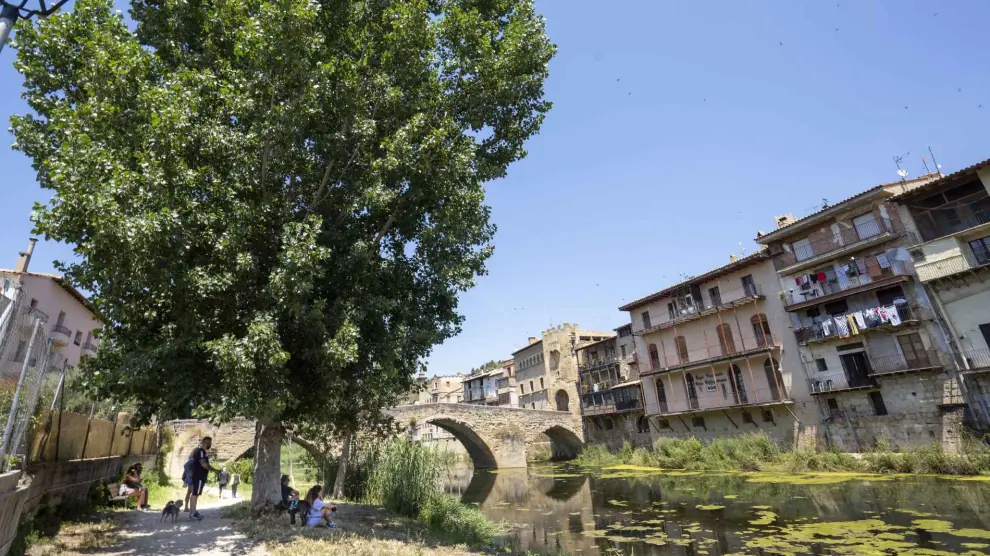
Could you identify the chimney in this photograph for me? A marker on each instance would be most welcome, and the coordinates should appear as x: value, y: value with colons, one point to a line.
x: 733, y: 258
x: 785, y: 220
x: 532, y: 340
x: 25, y: 257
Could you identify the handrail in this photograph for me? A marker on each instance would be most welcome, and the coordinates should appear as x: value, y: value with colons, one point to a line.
x: 833, y: 242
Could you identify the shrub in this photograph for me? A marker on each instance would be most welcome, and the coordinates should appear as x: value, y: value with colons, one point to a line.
x: 458, y: 522
x: 244, y: 468
x: 404, y: 476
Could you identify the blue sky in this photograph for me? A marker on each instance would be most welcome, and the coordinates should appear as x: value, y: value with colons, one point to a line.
x: 680, y: 129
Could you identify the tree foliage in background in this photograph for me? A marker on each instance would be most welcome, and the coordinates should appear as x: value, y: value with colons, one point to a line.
x: 489, y: 366
x: 275, y: 203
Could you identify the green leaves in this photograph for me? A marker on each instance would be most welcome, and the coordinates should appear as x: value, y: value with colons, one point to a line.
x: 277, y: 203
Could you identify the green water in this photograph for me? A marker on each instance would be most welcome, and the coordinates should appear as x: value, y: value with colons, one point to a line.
x: 622, y: 511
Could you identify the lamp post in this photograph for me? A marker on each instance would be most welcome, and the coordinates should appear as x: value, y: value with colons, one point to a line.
x: 10, y: 13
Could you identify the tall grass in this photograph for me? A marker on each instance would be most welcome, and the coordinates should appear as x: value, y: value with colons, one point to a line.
x: 757, y: 452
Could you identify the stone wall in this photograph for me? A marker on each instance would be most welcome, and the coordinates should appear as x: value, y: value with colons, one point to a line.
x: 774, y: 421
x: 626, y: 427
x: 922, y: 409
x: 230, y: 441
x: 498, y: 436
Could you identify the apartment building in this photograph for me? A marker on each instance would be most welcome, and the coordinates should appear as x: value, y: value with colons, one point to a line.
x: 611, y: 396
x: 66, y: 316
x: 869, y: 345
x: 494, y: 387
x: 716, y: 356
x: 948, y: 232
x: 546, y: 369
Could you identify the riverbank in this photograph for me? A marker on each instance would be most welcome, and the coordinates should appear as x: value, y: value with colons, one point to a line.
x: 756, y: 452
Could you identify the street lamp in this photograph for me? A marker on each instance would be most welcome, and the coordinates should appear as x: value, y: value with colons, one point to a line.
x: 10, y: 13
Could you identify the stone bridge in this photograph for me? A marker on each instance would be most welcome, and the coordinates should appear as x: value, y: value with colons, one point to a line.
x: 498, y: 436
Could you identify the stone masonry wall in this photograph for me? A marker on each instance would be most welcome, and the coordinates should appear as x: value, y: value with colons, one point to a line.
x: 625, y: 428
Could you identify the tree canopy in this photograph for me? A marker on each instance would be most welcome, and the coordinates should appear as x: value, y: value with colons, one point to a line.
x: 275, y: 203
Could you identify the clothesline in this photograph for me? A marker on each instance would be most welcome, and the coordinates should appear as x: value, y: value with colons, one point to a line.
x: 851, y: 324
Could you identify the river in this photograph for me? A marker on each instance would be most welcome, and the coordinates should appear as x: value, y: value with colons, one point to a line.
x: 561, y: 509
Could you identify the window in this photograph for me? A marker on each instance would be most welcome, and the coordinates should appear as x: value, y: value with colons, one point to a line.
x: 698, y: 422
x: 837, y: 308
x: 625, y: 331
x: 608, y: 423
x: 61, y: 319
x: 671, y: 311
x: 531, y: 389
x: 541, y: 383
x: 78, y: 339
x: 775, y: 380
x: 833, y: 407
x: 654, y: 357
x: 914, y: 351
x: 34, y: 303
x: 981, y: 249
x: 749, y: 286
x: 715, y: 296
x: 747, y: 417
x: 812, y: 313
x: 725, y: 341
x: 887, y: 296
x: 821, y: 364
x: 663, y: 424
x: 876, y: 399
x: 802, y: 250
x: 767, y: 416
x: 682, y: 350
x: 646, y: 319
x: 761, y: 330
x: 622, y: 350
x: 522, y: 389
x: 867, y: 226
x: 532, y: 405
x: 554, y: 360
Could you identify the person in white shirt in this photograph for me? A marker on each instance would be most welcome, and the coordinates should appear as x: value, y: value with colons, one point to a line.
x: 317, y: 513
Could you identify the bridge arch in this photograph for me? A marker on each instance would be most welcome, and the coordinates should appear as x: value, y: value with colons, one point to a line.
x: 499, y: 436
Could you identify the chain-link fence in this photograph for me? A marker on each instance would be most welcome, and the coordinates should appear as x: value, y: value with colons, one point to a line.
x: 32, y: 372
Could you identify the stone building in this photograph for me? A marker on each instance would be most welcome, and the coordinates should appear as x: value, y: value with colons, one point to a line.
x: 948, y: 231
x: 494, y: 387
x: 438, y: 389
x: 611, y: 396
x: 717, y: 359
x: 870, y: 348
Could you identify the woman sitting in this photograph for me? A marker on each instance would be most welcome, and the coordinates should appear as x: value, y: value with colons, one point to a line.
x: 317, y: 513
x: 131, y: 486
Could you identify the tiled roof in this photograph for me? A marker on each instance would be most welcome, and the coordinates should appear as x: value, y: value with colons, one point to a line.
x: 945, y: 179
x: 749, y: 259
x: 69, y: 288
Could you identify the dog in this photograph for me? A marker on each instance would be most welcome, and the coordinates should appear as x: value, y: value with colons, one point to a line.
x: 172, y: 510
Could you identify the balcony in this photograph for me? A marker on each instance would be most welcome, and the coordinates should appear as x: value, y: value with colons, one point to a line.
x: 698, y: 309
x: 898, y: 364
x: 838, y: 381
x: 824, y: 329
x: 965, y: 219
x: 620, y: 399
x: 949, y: 266
x: 977, y: 359
x: 732, y: 349
x: 742, y: 399
x: 846, y: 241
x: 61, y: 335
x: 33, y: 314
x: 828, y: 292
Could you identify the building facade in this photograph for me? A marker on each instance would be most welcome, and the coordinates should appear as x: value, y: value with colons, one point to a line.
x: 611, y: 396
x: 948, y: 232
x: 871, y: 350
x: 65, y: 315
x: 716, y: 357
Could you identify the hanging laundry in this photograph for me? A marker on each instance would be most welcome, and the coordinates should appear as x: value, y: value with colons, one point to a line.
x: 841, y: 326
x: 873, y: 267
x: 827, y: 327
x: 902, y: 255
x: 852, y: 325
x: 830, y: 275
x: 797, y: 281
x: 893, y: 315
x: 860, y: 319
x: 821, y: 276
x: 813, y: 278
x: 861, y: 266
x: 843, y: 279
x: 883, y: 314
x: 883, y: 260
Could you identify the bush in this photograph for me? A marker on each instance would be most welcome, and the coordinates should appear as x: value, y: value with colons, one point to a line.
x: 404, y: 476
x: 242, y: 467
x: 458, y: 522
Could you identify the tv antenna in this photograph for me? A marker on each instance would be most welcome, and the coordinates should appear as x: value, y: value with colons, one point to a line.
x: 898, y: 160
x: 938, y: 167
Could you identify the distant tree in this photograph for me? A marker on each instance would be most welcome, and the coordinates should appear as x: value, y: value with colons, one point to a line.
x: 489, y: 366
x: 275, y: 204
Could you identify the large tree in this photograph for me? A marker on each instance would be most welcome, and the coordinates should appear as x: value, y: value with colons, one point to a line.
x: 275, y: 203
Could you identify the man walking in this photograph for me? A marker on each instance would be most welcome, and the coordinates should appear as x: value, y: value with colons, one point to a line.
x: 223, y: 479
x: 200, y: 473
x: 235, y: 481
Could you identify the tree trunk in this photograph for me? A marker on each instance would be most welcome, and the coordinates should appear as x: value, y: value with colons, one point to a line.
x: 265, y: 490
x: 345, y: 454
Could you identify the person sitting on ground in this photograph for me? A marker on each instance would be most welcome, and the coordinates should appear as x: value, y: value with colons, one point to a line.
x: 131, y: 485
x: 317, y: 513
x: 290, y: 499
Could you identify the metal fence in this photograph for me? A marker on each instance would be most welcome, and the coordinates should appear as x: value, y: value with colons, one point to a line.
x: 30, y: 367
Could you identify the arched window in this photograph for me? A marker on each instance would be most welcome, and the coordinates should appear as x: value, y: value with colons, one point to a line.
x: 661, y: 395
x: 774, y: 378
x: 738, y: 386
x: 761, y: 330
x: 682, y: 350
x: 691, y: 391
x: 654, y: 357
x: 562, y: 400
x: 725, y: 340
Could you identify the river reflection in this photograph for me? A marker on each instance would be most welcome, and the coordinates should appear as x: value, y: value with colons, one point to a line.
x: 562, y: 509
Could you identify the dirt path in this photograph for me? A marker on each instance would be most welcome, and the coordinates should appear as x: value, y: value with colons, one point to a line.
x: 140, y: 534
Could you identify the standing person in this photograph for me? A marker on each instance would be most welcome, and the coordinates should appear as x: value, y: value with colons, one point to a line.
x: 223, y: 479
x: 200, y: 473
x: 235, y: 480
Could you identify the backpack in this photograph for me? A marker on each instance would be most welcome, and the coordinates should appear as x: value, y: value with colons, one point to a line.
x: 187, y: 469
